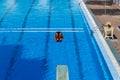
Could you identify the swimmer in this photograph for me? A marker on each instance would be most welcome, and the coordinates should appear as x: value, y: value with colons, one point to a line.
x: 58, y: 37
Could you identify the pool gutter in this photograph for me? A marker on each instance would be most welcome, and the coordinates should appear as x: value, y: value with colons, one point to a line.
x: 105, y: 50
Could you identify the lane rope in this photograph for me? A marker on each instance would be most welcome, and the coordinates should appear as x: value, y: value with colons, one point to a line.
x: 41, y: 30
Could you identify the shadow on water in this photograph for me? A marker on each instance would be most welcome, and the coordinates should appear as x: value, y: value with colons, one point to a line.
x: 29, y: 70
x: 8, y: 54
x: 14, y: 67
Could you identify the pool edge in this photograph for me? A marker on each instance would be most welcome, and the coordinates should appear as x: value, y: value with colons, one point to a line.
x: 109, y: 58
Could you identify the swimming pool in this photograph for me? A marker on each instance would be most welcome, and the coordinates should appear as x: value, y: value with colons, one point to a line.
x: 35, y: 55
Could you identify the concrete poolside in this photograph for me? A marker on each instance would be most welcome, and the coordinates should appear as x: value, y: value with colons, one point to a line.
x: 108, y: 13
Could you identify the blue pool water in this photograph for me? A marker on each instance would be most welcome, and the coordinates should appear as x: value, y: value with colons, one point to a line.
x: 34, y: 56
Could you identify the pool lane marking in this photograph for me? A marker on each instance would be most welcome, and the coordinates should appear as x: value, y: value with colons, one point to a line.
x: 38, y: 28
x: 12, y: 62
x: 76, y: 43
x: 41, y: 29
x: 7, y: 12
x: 48, y: 26
x: 25, y: 20
x: 38, y: 31
x: 12, y: 59
x: 47, y: 38
x: 4, y: 39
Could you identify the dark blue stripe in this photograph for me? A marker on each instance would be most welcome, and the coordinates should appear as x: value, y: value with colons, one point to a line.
x: 13, y: 59
x: 76, y: 43
x: 25, y: 20
x: 3, y: 40
x: 48, y: 26
x: 7, y: 12
x: 12, y: 62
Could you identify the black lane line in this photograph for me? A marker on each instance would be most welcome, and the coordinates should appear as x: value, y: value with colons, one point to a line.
x: 48, y: 34
x: 12, y: 61
x: 25, y: 20
x: 76, y: 43
x: 3, y: 40
x: 7, y: 12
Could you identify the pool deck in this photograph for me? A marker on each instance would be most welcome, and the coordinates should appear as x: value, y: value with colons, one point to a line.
x: 107, y: 13
x: 106, y: 52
